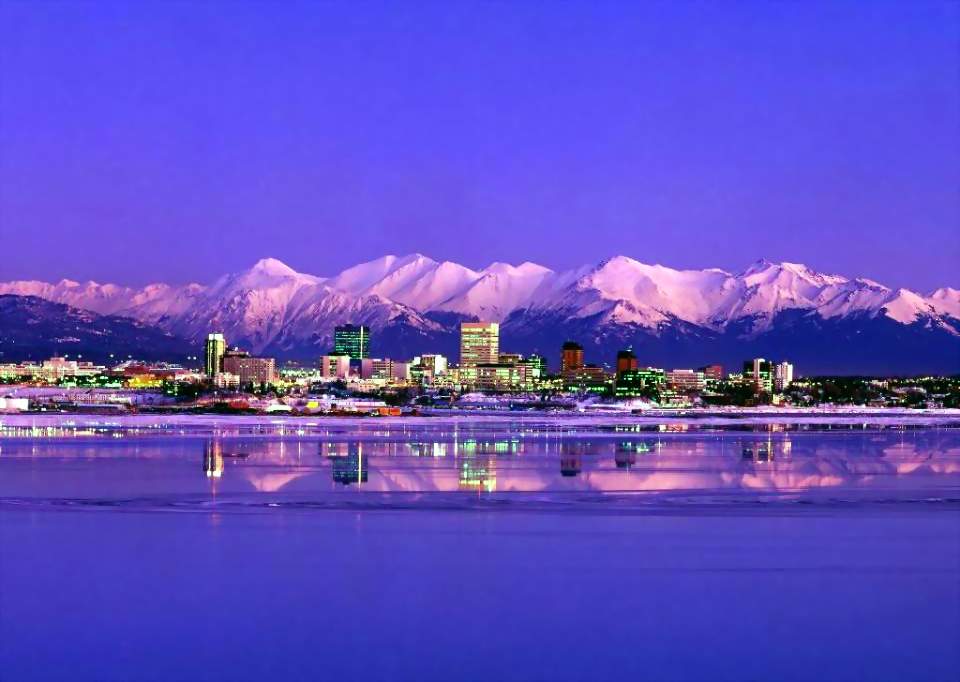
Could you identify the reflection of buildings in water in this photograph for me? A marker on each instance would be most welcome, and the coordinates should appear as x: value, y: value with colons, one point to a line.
x: 213, y: 458
x: 264, y: 475
x: 625, y: 455
x: 427, y: 449
x: 497, y: 446
x: 478, y: 473
x: 767, y: 451
x: 626, y: 452
x: 573, y: 452
x: 334, y: 449
x: 571, y: 463
x: 349, y: 468
x: 757, y: 452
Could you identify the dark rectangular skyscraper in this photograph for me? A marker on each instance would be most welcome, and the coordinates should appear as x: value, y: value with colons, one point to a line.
x: 352, y: 340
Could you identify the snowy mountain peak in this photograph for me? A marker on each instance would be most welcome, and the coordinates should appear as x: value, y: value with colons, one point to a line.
x: 759, y: 265
x: 273, y: 267
x: 946, y: 301
x: 524, y: 269
x: 946, y: 294
x: 362, y: 277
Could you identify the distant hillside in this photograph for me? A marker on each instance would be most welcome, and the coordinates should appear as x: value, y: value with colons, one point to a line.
x: 33, y: 328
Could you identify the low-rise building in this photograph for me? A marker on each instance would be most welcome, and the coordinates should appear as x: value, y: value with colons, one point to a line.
x: 334, y: 367
x: 684, y: 380
x: 249, y: 369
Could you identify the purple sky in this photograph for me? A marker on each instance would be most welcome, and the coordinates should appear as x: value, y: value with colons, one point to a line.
x: 180, y: 140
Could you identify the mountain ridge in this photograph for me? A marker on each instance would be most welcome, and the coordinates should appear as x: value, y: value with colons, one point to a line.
x: 271, y: 307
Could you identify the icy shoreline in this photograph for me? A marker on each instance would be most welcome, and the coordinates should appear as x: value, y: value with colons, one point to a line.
x: 694, y: 418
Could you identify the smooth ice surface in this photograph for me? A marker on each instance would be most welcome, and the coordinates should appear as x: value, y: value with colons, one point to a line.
x: 477, y: 548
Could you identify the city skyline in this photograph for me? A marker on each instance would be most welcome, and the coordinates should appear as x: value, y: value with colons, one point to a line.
x: 686, y: 134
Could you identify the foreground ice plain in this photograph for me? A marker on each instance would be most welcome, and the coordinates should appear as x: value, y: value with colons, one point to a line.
x: 479, y: 548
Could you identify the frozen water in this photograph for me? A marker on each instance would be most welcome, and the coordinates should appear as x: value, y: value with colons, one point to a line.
x: 491, y: 547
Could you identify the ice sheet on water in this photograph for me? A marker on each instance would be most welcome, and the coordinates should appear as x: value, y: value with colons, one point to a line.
x: 487, y: 463
x: 53, y: 424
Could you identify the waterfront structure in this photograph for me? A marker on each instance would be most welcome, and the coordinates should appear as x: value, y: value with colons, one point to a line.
x: 334, y: 367
x: 352, y: 340
x: 52, y: 370
x: 571, y: 358
x: 504, y: 376
x: 248, y: 369
x: 626, y: 361
x: 585, y: 378
x: 479, y: 343
x: 640, y: 382
x: 759, y: 374
x: 782, y: 376
x: 384, y: 369
x: 712, y: 373
x: 214, y: 348
x: 685, y: 380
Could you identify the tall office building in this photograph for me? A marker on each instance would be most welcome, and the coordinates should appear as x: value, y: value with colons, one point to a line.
x: 626, y: 361
x: 571, y: 358
x: 352, y: 340
x: 479, y: 343
x: 214, y: 349
x: 782, y: 376
x: 759, y: 373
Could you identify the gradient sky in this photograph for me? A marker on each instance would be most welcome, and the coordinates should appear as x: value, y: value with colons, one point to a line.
x: 180, y: 140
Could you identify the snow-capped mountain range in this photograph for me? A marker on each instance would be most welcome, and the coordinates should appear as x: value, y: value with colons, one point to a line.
x: 413, y: 301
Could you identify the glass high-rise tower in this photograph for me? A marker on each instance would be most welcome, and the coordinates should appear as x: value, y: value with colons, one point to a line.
x: 352, y: 340
x: 214, y: 349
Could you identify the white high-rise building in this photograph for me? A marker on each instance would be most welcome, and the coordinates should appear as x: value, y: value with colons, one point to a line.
x: 782, y: 376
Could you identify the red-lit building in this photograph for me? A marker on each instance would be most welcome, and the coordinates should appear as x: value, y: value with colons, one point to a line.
x: 712, y: 372
x: 571, y: 358
x: 626, y: 361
